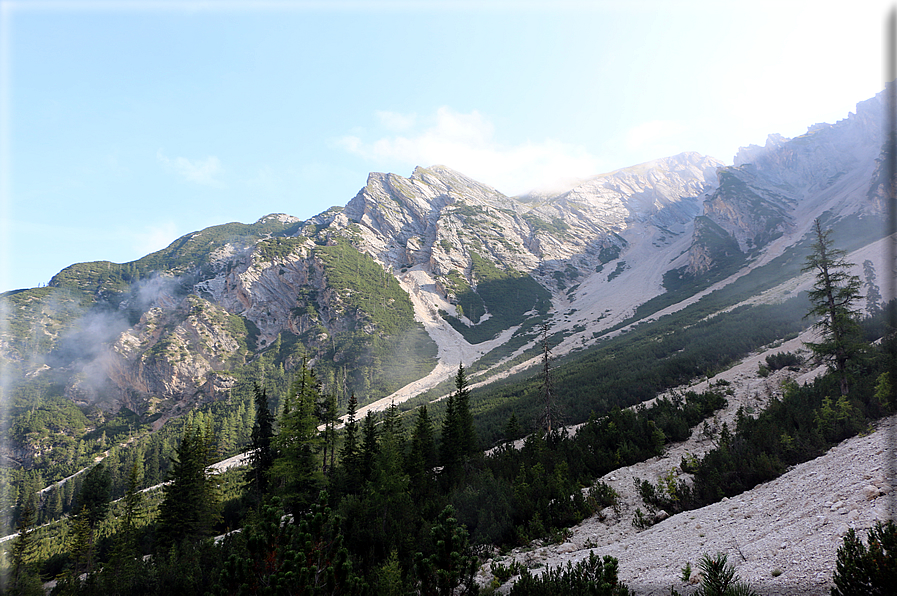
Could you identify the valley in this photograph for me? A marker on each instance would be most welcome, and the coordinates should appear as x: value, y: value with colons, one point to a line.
x: 678, y: 275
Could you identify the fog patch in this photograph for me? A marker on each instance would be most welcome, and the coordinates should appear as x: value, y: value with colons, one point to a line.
x: 87, y: 348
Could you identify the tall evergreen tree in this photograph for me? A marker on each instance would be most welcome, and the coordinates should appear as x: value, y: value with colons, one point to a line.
x: 329, y: 417
x: 423, y: 458
x: 92, y: 506
x: 459, y: 441
x: 296, y: 467
x: 22, y: 576
x: 261, y: 451
x: 190, y: 505
x: 369, y: 444
x: 833, y: 294
x: 350, y: 454
x: 121, y: 574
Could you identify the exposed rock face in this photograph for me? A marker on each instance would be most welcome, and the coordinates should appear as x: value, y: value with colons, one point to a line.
x: 436, y: 217
x: 770, y: 188
x: 171, y: 354
x: 236, y: 288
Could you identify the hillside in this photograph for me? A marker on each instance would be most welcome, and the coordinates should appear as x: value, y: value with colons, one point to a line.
x: 679, y: 272
x: 791, y: 523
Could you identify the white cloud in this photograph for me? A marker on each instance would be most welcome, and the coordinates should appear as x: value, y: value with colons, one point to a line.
x: 200, y: 171
x: 154, y: 238
x: 466, y: 142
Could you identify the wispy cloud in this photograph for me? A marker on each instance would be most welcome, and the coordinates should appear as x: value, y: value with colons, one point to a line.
x: 200, y: 171
x: 466, y: 142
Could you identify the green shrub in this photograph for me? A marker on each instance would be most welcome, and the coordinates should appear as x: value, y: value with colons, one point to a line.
x: 867, y: 569
x: 594, y: 576
x: 718, y: 579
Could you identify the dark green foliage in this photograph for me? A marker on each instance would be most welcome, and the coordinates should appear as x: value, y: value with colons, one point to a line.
x: 190, y: 506
x: 593, y: 577
x: 422, y: 458
x: 349, y: 473
x: 274, y: 556
x: 93, y: 500
x: 296, y: 469
x: 459, y: 441
x: 261, y: 450
x: 635, y: 367
x: 22, y: 578
x: 867, y: 569
x: 505, y: 294
x: 800, y: 426
x: 718, y: 579
x: 450, y: 569
x: 781, y: 360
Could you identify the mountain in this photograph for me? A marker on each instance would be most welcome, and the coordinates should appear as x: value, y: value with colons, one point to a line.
x: 385, y: 296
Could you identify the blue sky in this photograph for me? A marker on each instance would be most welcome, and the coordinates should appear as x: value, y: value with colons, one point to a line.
x: 125, y: 125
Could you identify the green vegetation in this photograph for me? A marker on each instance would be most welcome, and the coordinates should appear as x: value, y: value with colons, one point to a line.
x: 274, y: 249
x: 718, y: 578
x: 867, y: 569
x: 386, y: 347
x: 556, y: 226
x: 195, y: 249
x: 800, y: 426
x: 593, y: 577
x: 505, y: 295
x: 635, y: 367
x: 834, y: 292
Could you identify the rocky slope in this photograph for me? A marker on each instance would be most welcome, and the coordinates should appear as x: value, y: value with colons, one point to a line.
x: 386, y: 295
x: 781, y: 536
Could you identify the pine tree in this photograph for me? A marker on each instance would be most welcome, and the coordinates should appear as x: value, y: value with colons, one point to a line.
x: 296, y: 467
x: 369, y: 444
x: 459, y: 441
x: 92, y: 506
x: 190, y: 505
x: 261, y: 452
x: 22, y: 555
x: 833, y: 294
x: 123, y: 569
x: 422, y: 458
x: 451, y: 568
x: 867, y: 569
x: 350, y: 454
x: 329, y: 416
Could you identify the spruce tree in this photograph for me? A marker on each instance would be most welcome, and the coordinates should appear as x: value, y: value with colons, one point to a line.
x: 261, y: 452
x: 350, y: 454
x: 22, y: 575
x: 296, y: 467
x: 459, y: 441
x: 369, y: 444
x: 190, y: 505
x: 123, y: 569
x: 92, y: 506
x: 423, y: 458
